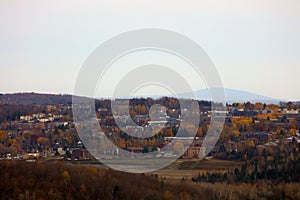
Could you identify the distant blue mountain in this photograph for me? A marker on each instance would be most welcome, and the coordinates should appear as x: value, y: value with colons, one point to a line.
x: 232, y: 95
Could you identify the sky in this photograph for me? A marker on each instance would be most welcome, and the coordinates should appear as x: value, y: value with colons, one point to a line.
x: 255, y: 45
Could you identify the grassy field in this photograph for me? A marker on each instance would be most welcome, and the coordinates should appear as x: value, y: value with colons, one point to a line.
x: 178, y: 170
x: 209, y: 165
x: 186, y: 169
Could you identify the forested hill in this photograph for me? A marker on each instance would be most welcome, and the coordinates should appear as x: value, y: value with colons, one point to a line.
x: 34, y: 98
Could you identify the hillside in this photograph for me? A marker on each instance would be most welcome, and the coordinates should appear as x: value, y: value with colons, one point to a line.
x: 35, y: 98
x: 50, y: 99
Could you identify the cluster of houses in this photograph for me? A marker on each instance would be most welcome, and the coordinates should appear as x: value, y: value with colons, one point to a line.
x: 42, y: 121
x: 258, y: 139
x: 40, y: 117
x: 74, y: 152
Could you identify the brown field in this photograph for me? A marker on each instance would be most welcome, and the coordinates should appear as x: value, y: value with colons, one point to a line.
x: 186, y: 169
x: 210, y: 165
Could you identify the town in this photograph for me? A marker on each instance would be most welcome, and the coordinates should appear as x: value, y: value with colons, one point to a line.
x: 34, y: 132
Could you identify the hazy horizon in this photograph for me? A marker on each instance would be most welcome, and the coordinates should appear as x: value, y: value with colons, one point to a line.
x: 231, y: 95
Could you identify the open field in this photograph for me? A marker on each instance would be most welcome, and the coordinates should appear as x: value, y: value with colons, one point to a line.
x: 178, y: 170
x: 186, y: 169
x: 209, y: 165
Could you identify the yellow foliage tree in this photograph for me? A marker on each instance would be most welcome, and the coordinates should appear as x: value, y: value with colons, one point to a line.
x: 66, y: 178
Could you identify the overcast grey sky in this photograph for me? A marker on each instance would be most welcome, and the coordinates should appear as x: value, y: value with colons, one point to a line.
x: 254, y: 44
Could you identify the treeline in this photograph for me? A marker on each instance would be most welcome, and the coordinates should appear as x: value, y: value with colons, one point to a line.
x: 281, y: 164
x: 59, y: 181
x: 34, y: 98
